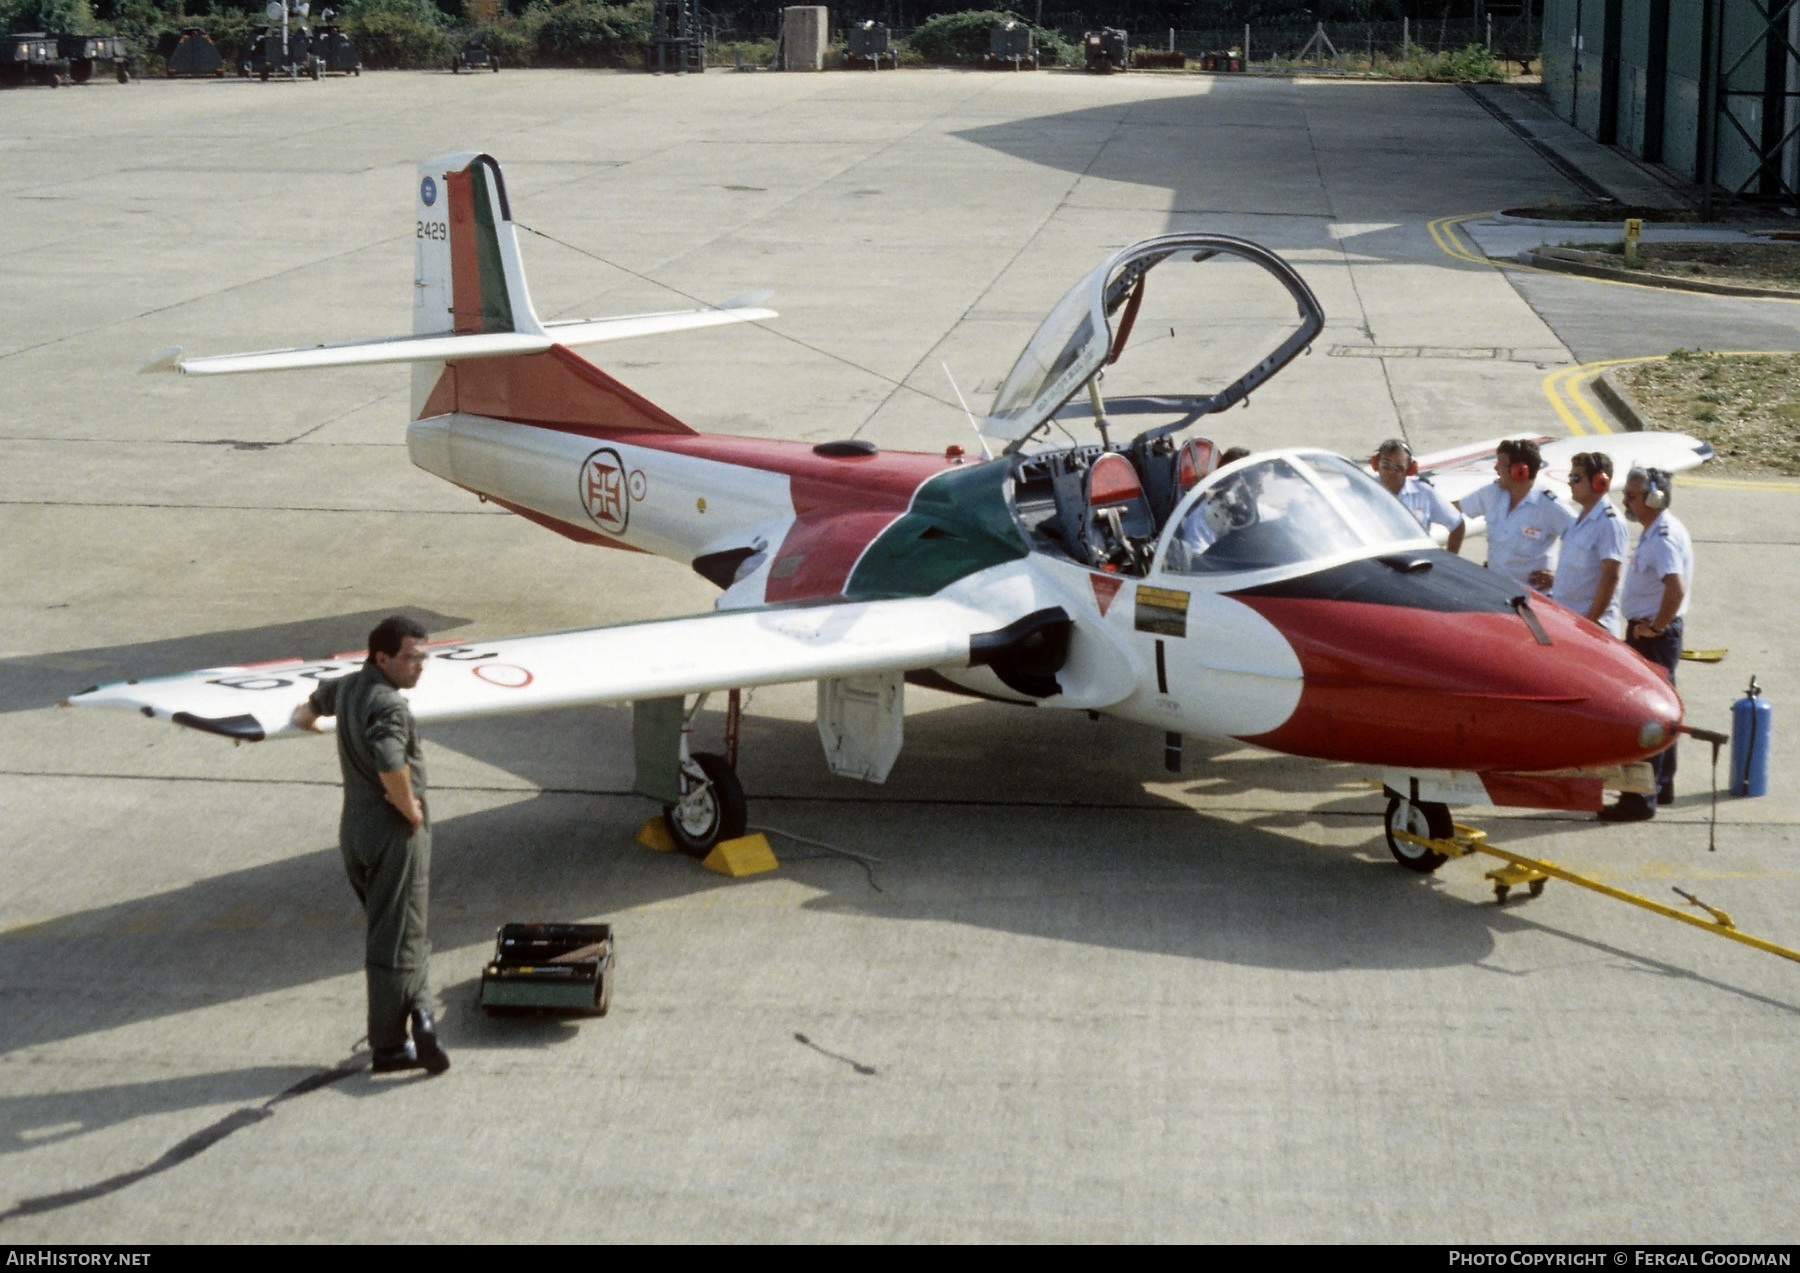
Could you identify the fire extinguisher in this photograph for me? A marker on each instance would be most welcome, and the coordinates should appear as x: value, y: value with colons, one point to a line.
x: 1751, y: 719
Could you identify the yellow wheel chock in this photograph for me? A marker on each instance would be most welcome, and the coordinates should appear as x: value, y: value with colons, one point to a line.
x: 1533, y: 872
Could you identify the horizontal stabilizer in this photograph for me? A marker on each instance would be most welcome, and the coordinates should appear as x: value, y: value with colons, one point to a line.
x: 453, y: 348
x: 726, y: 650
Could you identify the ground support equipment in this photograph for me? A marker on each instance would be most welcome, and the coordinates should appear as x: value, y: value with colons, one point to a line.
x: 475, y: 56
x: 193, y: 54
x: 82, y: 51
x: 31, y: 58
x: 1533, y: 872
x: 564, y: 968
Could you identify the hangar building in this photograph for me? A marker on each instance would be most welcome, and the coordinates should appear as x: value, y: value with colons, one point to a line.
x: 1708, y: 88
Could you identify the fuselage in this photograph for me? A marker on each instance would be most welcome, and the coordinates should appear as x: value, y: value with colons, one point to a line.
x: 1409, y: 657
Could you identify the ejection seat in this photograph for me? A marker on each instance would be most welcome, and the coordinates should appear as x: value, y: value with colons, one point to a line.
x: 1116, y: 527
x: 1193, y: 462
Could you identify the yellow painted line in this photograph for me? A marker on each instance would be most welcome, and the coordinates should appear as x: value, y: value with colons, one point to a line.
x: 1443, y: 233
x: 1740, y: 484
x: 1565, y: 389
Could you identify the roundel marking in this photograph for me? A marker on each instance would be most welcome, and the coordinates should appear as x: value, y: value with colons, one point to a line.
x: 428, y: 192
x: 505, y: 675
x: 605, y: 490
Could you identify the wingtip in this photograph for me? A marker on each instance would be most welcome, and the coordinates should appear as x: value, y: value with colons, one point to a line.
x: 168, y: 360
x: 749, y: 300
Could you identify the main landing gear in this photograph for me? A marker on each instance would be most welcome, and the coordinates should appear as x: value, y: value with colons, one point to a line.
x: 711, y: 806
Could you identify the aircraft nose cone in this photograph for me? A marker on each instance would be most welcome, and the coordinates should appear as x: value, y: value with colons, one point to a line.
x: 1469, y: 690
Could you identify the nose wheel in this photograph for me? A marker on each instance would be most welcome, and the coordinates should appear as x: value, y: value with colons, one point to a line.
x: 1427, y: 819
x: 711, y: 808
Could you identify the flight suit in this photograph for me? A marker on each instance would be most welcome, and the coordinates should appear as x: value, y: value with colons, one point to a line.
x: 388, y: 864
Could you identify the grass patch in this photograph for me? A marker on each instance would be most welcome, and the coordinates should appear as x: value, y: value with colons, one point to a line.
x: 1775, y: 265
x: 1746, y: 405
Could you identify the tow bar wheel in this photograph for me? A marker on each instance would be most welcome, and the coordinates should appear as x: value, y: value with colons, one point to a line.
x: 1428, y: 819
x: 711, y: 808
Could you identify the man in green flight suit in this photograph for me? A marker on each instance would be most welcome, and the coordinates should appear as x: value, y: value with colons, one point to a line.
x: 386, y: 838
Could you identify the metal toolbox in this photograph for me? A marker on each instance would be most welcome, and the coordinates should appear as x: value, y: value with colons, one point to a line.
x: 564, y: 968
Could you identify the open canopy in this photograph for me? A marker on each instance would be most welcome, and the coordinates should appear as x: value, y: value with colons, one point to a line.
x: 1080, y: 336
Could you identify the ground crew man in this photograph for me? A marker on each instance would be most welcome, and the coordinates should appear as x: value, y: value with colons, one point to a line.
x: 1593, y: 549
x: 1399, y: 474
x: 386, y: 838
x: 1524, y: 520
x: 1655, y: 600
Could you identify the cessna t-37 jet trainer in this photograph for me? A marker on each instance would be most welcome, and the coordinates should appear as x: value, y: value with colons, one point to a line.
x: 1284, y: 600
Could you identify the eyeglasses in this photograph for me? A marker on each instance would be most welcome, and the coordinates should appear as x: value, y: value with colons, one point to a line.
x: 1576, y: 475
x: 1392, y: 468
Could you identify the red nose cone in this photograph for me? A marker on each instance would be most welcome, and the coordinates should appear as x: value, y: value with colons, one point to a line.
x: 1429, y: 689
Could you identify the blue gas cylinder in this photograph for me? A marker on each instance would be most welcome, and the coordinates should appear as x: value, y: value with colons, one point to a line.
x: 1751, y: 721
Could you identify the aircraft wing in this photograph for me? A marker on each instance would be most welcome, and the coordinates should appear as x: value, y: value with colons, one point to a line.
x: 725, y: 650
x: 1457, y: 472
x: 449, y: 348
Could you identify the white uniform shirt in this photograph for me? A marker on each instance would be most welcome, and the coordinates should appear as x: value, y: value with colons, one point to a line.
x: 1427, y: 506
x: 1597, y: 537
x: 1663, y: 549
x: 1521, y: 539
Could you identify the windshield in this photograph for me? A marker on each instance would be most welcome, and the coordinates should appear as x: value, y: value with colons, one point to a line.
x: 1064, y: 347
x: 1280, y: 512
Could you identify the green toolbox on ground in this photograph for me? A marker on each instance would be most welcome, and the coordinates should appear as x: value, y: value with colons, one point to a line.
x: 564, y: 968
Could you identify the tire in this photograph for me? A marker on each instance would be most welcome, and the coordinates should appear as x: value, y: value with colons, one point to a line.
x: 713, y: 811
x: 81, y: 70
x: 1427, y: 818
x: 496, y: 65
x: 47, y: 77
x: 456, y: 67
x: 263, y: 74
x: 124, y: 73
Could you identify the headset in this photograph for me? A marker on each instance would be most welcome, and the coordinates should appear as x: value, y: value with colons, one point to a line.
x: 1659, y: 487
x: 1395, y: 444
x: 1520, y: 471
x: 1599, y: 480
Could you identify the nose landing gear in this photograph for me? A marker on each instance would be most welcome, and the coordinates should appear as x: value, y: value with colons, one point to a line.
x: 1424, y: 820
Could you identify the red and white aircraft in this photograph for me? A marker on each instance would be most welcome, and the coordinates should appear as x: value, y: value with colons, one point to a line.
x: 1283, y: 600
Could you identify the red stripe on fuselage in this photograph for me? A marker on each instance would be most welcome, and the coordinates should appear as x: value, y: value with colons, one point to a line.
x: 1424, y: 689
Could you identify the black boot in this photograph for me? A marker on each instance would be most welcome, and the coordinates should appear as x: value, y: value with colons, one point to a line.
x: 393, y: 1060
x: 424, y: 1038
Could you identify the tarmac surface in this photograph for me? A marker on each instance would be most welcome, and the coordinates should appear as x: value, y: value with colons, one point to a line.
x: 1078, y: 998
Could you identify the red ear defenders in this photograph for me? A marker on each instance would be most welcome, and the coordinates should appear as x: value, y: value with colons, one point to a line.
x: 1600, y: 483
x: 1520, y: 471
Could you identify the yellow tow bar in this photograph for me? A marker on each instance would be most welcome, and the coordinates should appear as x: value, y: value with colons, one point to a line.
x: 1533, y: 872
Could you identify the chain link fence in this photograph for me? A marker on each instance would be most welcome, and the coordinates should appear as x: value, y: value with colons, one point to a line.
x: 1331, y: 45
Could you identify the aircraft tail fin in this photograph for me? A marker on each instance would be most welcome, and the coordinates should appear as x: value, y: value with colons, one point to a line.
x: 470, y: 301
x: 468, y: 279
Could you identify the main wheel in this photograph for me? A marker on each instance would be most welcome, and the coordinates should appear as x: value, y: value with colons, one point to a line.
x: 124, y: 72
x: 81, y: 70
x: 711, y: 807
x: 1428, y: 819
